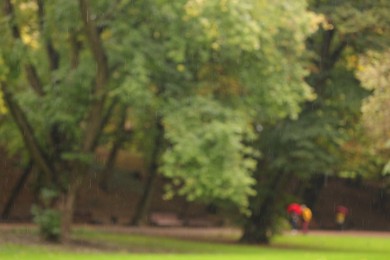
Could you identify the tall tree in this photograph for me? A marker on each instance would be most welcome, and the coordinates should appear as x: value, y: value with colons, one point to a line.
x: 210, y: 70
x: 231, y: 78
x: 53, y: 145
x: 374, y: 72
x: 310, y: 145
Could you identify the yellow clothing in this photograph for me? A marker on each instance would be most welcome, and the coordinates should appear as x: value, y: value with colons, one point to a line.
x: 340, y: 218
x: 306, y: 214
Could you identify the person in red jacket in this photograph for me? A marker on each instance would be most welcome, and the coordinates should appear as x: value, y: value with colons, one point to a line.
x: 294, y: 212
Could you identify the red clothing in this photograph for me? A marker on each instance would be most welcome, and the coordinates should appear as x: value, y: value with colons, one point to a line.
x: 294, y: 208
x: 341, y: 209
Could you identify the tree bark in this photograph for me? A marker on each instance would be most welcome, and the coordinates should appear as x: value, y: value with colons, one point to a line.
x: 33, y: 79
x: 92, y: 131
x: 32, y: 144
x: 66, y: 206
x: 16, y: 190
x: 52, y: 54
x: 31, y: 72
x: 258, y: 227
x: 75, y: 47
x: 121, y: 136
x: 143, y: 205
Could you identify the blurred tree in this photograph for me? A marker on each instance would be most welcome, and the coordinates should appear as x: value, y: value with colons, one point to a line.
x: 39, y: 68
x: 311, y: 145
x: 374, y: 72
x: 196, y: 74
x: 220, y: 78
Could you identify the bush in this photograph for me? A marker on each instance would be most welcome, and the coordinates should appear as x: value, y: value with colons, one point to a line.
x: 49, y: 222
x: 47, y: 218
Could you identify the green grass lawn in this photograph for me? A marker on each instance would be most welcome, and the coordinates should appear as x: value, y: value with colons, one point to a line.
x: 125, y: 246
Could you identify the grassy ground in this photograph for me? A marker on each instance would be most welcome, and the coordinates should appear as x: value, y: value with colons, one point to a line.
x: 92, y: 244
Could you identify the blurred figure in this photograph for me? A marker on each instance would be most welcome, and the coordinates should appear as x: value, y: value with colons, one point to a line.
x: 294, y: 212
x: 341, y: 215
x: 306, y: 218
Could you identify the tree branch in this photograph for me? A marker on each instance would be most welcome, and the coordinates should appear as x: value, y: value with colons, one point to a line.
x: 36, y: 151
x: 335, y: 55
x: 105, y: 118
x: 33, y: 79
x: 75, y: 46
x: 121, y: 134
x: 143, y: 204
x: 325, y: 49
x: 52, y: 54
x: 328, y: 58
x: 8, y: 9
x: 99, y: 92
x: 29, y: 68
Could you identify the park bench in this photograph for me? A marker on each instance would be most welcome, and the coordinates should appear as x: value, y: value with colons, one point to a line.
x: 167, y: 219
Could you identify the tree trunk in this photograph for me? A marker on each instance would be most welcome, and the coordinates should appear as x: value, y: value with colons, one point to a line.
x: 37, y: 153
x: 259, y: 227
x: 99, y: 92
x: 122, y: 135
x: 141, y: 212
x: 66, y: 207
x: 143, y: 205
x: 255, y: 234
x: 16, y: 190
x: 103, y: 182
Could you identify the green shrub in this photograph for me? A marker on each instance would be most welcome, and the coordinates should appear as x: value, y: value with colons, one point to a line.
x: 47, y: 218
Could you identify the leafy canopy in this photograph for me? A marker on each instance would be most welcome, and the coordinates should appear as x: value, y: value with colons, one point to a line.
x: 229, y: 64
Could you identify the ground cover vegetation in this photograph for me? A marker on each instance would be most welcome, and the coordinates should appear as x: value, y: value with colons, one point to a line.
x: 111, y: 245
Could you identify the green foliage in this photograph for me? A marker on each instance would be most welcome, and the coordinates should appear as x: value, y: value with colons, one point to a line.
x: 363, y: 23
x: 3, y: 75
x: 9, y: 136
x: 230, y: 64
x: 386, y: 169
x: 327, y: 123
x: 3, y: 109
x: 48, y: 219
x: 192, y: 54
x: 374, y: 72
x: 49, y: 222
x: 319, y: 140
x: 207, y: 157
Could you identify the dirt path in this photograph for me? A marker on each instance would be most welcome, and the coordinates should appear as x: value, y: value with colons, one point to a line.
x: 193, y: 233
x: 221, y: 234
x: 352, y: 233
